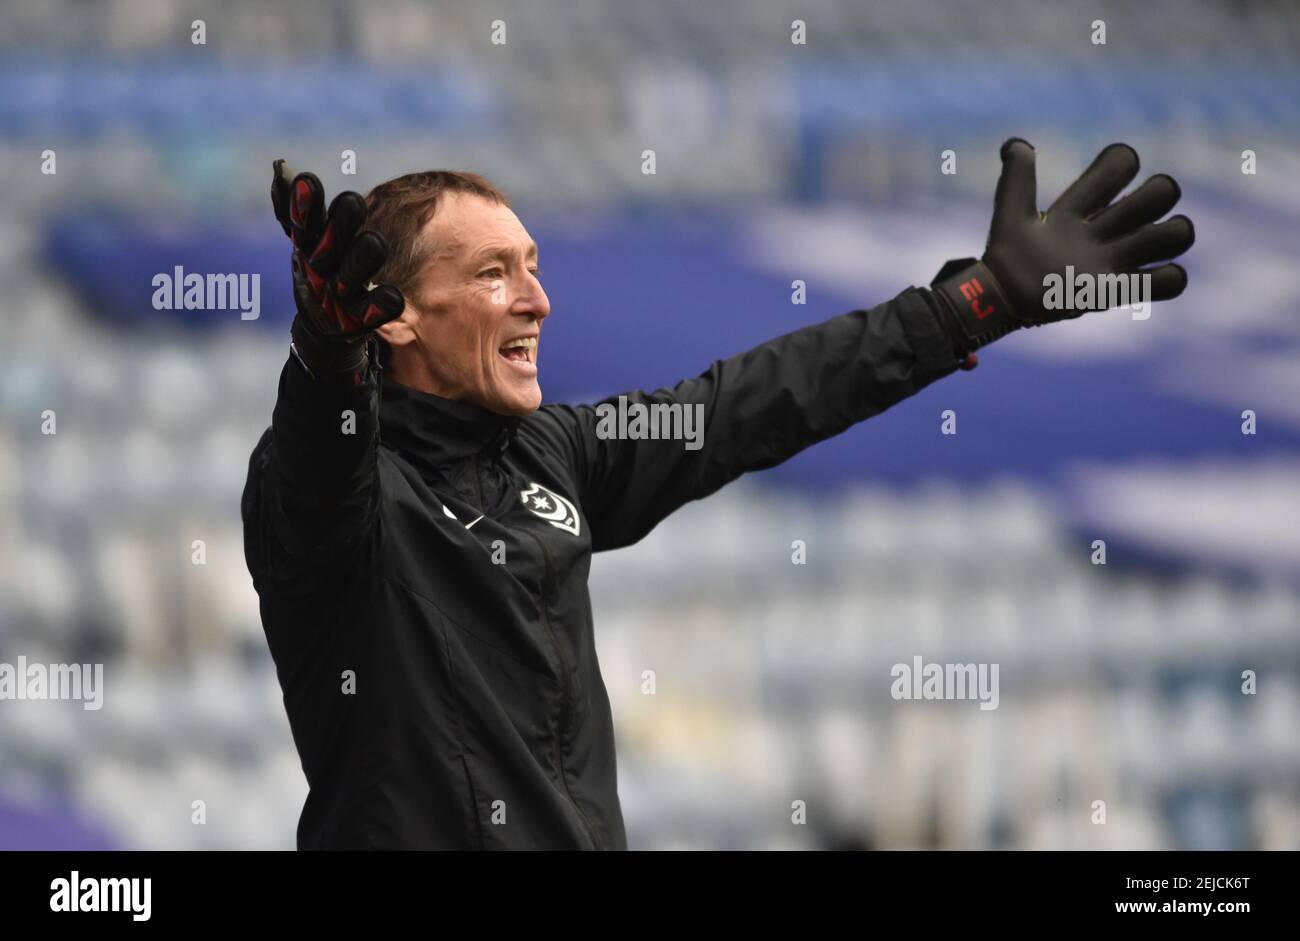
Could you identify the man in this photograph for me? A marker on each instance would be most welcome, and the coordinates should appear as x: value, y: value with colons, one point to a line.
x: 420, y: 531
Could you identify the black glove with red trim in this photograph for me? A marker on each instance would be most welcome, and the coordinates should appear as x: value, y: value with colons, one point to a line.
x: 333, y: 262
x: 1005, y: 290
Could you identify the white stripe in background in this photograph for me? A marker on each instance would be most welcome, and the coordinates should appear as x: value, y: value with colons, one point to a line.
x: 1217, y: 511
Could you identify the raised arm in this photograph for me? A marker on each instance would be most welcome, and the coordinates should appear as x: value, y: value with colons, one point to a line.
x: 312, y: 483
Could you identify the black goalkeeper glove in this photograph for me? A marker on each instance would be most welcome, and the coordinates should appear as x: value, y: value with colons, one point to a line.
x: 987, y: 299
x: 333, y: 262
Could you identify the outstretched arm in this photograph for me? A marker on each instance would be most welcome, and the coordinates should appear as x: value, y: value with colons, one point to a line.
x: 749, y: 412
x: 763, y: 406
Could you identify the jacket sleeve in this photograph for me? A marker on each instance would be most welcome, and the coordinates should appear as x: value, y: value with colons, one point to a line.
x: 759, y: 408
x: 312, y: 492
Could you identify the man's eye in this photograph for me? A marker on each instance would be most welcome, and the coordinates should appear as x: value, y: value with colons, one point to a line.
x: 536, y: 272
x: 490, y: 273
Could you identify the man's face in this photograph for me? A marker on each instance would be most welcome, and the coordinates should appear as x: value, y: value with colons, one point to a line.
x: 475, y: 298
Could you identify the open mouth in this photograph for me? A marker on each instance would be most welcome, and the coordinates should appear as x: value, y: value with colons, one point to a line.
x: 521, y: 350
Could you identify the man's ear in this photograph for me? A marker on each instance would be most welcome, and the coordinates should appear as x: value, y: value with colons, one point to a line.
x: 400, y: 330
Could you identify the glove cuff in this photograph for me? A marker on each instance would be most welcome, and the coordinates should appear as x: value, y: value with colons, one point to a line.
x: 974, y: 309
x: 320, y: 355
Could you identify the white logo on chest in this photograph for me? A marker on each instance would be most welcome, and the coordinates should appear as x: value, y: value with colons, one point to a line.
x: 551, y: 507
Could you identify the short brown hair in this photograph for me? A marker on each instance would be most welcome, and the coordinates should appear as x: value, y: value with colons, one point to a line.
x: 399, y: 209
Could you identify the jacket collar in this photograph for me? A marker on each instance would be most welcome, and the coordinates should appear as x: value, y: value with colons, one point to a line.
x: 439, y: 433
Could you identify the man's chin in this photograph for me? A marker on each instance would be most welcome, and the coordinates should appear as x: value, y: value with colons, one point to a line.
x: 518, y: 401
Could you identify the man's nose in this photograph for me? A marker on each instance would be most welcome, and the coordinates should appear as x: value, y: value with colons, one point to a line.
x: 533, y: 300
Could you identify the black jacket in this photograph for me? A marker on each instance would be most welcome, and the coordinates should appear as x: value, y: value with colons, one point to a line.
x: 440, y: 673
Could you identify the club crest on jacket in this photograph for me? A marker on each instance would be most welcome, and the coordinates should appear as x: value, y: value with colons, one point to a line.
x: 552, y: 507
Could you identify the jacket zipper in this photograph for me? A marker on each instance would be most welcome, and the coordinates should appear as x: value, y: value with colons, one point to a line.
x: 564, y: 691
x: 478, y: 486
x: 559, y: 655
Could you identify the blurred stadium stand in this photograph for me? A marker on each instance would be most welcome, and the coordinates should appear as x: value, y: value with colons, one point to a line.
x: 774, y: 162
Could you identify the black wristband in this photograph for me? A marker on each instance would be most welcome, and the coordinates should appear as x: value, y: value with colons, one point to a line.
x: 974, y: 309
